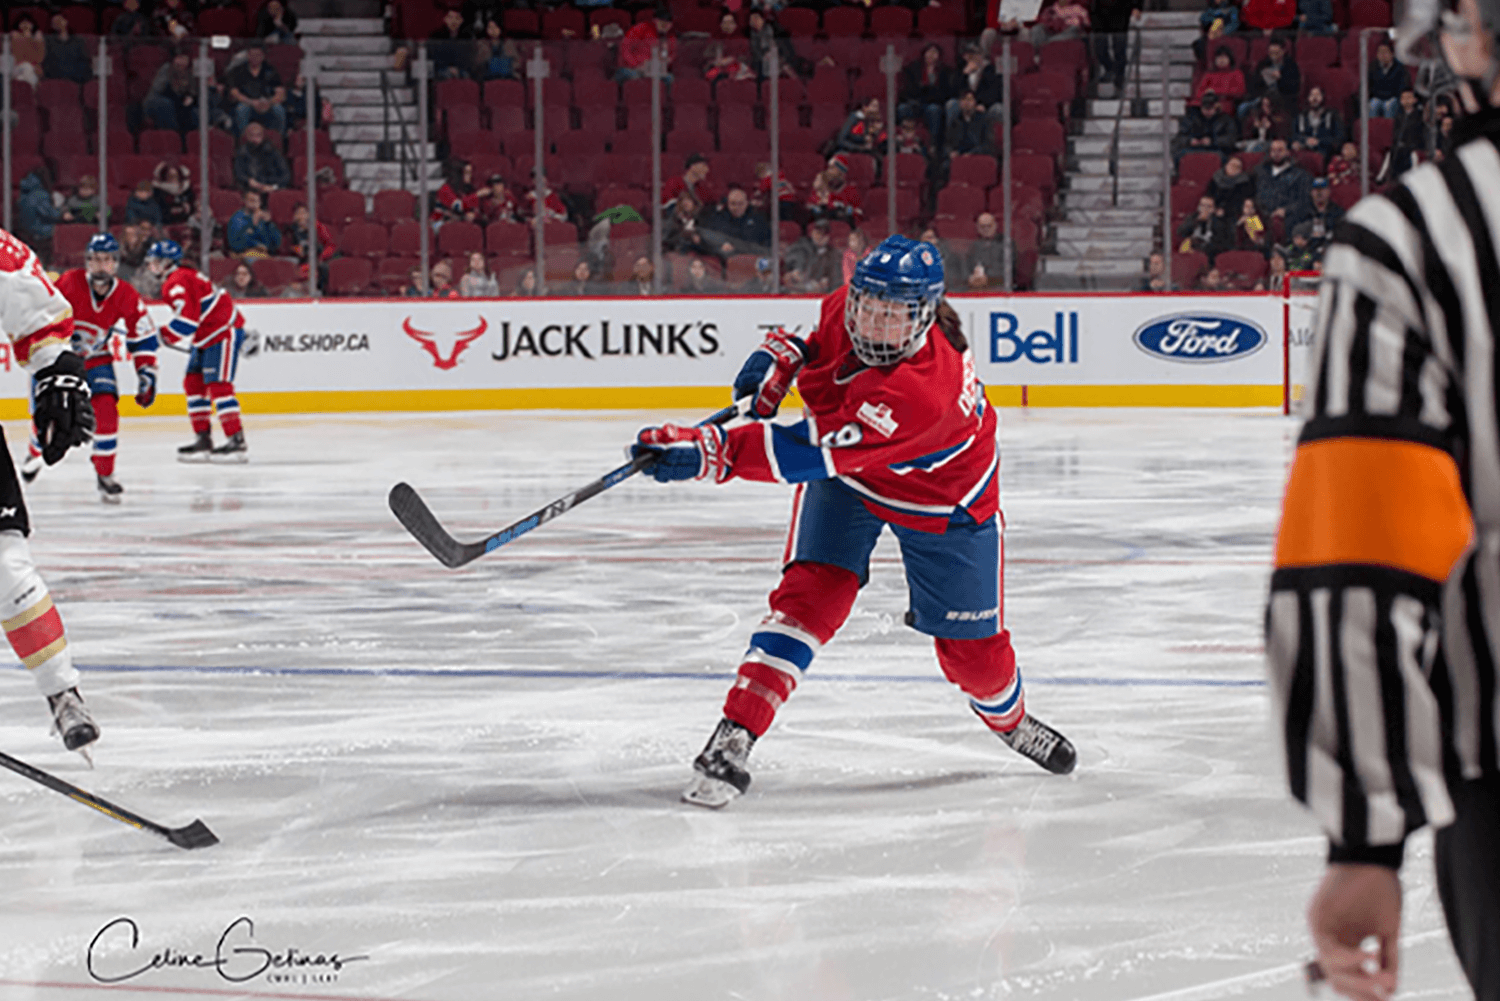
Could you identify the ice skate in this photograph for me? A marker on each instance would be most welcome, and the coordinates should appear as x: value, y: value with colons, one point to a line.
x: 233, y: 450
x: 73, y: 722
x: 1036, y: 740
x: 31, y: 467
x: 199, y: 450
x: 721, y: 767
x: 110, y: 490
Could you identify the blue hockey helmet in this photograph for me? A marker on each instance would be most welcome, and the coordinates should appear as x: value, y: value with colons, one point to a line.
x: 103, y: 243
x: 893, y: 299
x: 164, y: 250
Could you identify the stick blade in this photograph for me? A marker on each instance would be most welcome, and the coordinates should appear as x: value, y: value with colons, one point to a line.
x: 194, y: 835
x: 413, y: 513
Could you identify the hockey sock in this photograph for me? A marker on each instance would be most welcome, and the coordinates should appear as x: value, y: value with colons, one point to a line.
x: 222, y: 393
x: 986, y: 671
x: 106, y: 427
x: 30, y: 620
x: 33, y: 447
x: 808, y: 607
x: 199, y: 409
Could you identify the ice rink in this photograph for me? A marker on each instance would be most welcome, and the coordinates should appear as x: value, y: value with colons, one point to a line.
x: 463, y: 784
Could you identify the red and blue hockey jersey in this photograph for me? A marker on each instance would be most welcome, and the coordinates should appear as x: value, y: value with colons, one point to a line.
x: 916, y: 440
x: 94, y: 317
x: 202, y: 313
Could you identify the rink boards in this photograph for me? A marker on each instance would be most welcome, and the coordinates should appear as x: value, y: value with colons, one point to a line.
x: 680, y: 352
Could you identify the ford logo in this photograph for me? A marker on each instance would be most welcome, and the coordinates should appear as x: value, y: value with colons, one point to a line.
x: 1200, y: 337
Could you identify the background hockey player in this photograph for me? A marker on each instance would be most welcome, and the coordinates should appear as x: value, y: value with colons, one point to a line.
x: 39, y: 323
x: 204, y: 316
x: 897, y: 434
x: 100, y: 302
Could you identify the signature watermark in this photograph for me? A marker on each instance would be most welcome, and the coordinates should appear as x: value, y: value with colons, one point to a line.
x: 115, y: 955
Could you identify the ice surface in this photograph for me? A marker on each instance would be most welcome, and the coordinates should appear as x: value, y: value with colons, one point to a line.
x: 470, y: 777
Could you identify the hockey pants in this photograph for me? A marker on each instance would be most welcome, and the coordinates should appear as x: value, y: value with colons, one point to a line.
x: 1467, y: 858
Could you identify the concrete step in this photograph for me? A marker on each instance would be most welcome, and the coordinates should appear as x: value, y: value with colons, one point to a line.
x: 1156, y: 38
x: 370, y: 187
x: 1151, y: 70
x: 338, y: 64
x: 1080, y: 216
x: 371, y: 114
x: 1139, y: 166
x: 360, y: 78
x: 364, y: 96
x: 1092, y: 249
x: 340, y: 26
x: 1108, y: 182
x: 1154, y: 19
x: 1127, y: 126
x: 371, y: 133
x: 346, y: 45
x: 1152, y: 88
x: 1074, y: 233
x: 1141, y: 147
x: 367, y: 151
x: 390, y: 173
x: 1091, y: 267
x: 1154, y: 54
x: 1090, y: 145
x: 1107, y: 108
x: 1090, y: 166
x: 1107, y: 200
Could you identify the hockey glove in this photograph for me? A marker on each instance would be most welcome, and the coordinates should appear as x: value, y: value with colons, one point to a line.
x: 768, y: 373
x: 145, y: 386
x: 61, y: 410
x: 680, y: 453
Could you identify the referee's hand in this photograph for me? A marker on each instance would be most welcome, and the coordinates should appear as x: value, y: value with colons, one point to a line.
x: 1355, y: 903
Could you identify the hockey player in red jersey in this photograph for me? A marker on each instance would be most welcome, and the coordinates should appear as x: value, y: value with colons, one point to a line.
x: 897, y: 433
x: 100, y: 301
x: 205, y: 317
x: 39, y: 323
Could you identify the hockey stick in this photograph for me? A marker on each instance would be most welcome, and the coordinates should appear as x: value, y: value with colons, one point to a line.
x: 194, y: 835
x: 409, y: 509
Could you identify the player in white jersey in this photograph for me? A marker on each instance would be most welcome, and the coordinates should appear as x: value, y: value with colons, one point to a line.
x: 39, y: 322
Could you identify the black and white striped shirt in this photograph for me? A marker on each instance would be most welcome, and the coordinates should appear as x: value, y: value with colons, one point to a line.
x: 1383, y: 626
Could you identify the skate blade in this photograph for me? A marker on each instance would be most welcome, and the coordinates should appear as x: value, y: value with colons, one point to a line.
x: 83, y: 752
x: 109, y: 498
x: 191, y: 458
x: 237, y: 457
x: 713, y: 794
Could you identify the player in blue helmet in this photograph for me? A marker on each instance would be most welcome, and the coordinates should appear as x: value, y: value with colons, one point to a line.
x: 163, y: 256
x: 101, y: 260
x: 896, y: 434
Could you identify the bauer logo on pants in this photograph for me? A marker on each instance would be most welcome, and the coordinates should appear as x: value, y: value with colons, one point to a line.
x: 445, y: 348
x: 1200, y: 337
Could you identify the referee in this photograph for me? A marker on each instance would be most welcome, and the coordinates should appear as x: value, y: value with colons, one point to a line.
x: 1383, y: 625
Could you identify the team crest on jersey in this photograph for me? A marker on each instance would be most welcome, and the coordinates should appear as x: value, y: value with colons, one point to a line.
x: 878, y: 416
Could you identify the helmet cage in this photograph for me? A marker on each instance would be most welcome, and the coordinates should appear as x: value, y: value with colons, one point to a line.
x: 884, y: 330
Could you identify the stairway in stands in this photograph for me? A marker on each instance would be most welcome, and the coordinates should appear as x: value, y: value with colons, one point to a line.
x: 1111, y: 198
x: 370, y: 123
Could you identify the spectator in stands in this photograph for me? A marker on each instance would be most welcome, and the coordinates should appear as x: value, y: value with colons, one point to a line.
x: 1220, y: 19
x: 833, y: 197
x: 130, y: 22
x: 1205, y: 231
x: 258, y: 165
x: 28, y: 49
x: 496, y: 203
x: 1343, y: 168
x: 414, y: 288
x: 1321, y: 211
x: 276, y: 24
x: 83, y: 203
x: 854, y: 251
x: 1444, y: 146
x: 978, y: 75
x: 1408, y: 136
x: 456, y: 200
x: 553, y: 209
x: 1264, y: 122
x: 1301, y: 256
x: 36, y: 212
x: 694, y: 178
x: 812, y: 263
x: 525, y: 285
x: 298, y: 239
x: 953, y: 264
x: 641, y: 40
x: 1315, y: 17
x: 1388, y: 78
x: 256, y: 93
x: 640, y: 281
x: 173, y: 190
x: 699, y: 281
x: 791, y: 208
x: 1112, y: 20
x: 722, y: 64
x: 863, y: 131
x: 1224, y: 79
x: 1318, y: 128
x: 135, y: 239
x: 172, y: 101
x: 680, y: 231
x: 1275, y: 279
x: 1155, y: 278
x: 1206, y: 129
x: 173, y: 18
x: 909, y: 139
x: 250, y: 231
x: 927, y: 84
x: 1276, y: 74
x: 1280, y: 185
x: 984, y: 267
x: 1250, y: 231
x: 1059, y: 20
x: 244, y: 285
x: 764, y: 282
x: 495, y: 56
x: 66, y: 58
x: 479, y: 283
x: 442, y: 282
x: 1230, y: 186
x: 1213, y: 281
x: 450, y: 46
x: 1268, y: 16
x: 582, y: 283
x: 142, y: 206
x: 764, y: 33
x: 296, y: 105
x: 971, y: 131
x: 736, y: 228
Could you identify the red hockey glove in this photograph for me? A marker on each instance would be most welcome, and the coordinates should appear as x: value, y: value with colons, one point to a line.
x: 768, y: 373
x: 680, y: 453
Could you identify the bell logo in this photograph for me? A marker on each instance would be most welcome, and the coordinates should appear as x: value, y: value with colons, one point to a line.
x: 455, y: 343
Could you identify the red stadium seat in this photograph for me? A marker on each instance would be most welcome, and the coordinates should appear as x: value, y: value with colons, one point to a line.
x: 341, y: 206
x: 275, y: 273
x: 507, y: 237
x: 223, y: 203
x: 1369, y: 14
x: 1316, y: 50
x: 364, y: 239
x: 799, y: 22
x: 844, y: 22
x: 890, y: 22
x: 564, y: 22
x: 281, y: 204
x: 392, y: 273
x: 69, y: 240
x: 459, y: 238
x: 1187, y: 268
x: 406, y: 237
x: 1198, y: 167
x: 975, y: 169
x: 1250, y: 265
x: 350, y: 275
x: 959, y: 201
x: 394, y: 205
x: 940, y: 21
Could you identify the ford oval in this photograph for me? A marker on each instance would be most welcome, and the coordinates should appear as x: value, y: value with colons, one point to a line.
x: 1200, y: 337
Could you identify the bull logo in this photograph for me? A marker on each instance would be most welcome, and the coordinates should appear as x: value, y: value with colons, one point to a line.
x: 429, y: 342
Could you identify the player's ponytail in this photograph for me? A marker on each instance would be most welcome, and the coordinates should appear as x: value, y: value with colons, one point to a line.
x: 947, y: 321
